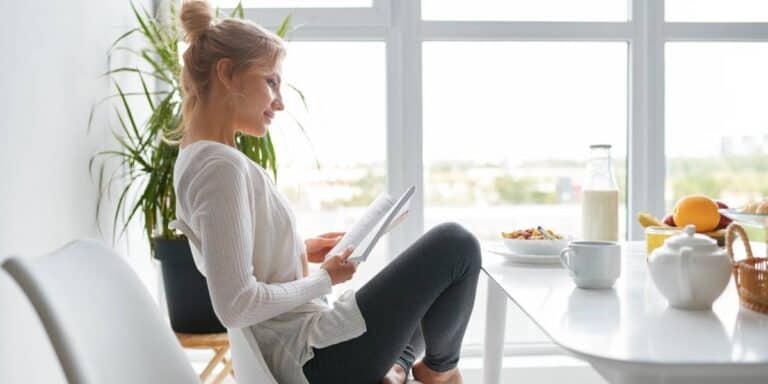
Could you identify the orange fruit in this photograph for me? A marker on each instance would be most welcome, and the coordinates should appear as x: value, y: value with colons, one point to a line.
x: 698, y: 210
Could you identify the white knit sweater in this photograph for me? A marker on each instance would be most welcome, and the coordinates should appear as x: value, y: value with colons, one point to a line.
x: 244, y: 241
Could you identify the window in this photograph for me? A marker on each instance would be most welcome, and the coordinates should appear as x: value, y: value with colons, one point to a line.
x: 717, y: 128
x: 335, y: 167
x: 507, y: 129
x: 492, y: 105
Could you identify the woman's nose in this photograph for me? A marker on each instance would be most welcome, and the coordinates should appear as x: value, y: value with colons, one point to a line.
x: 277, y: 104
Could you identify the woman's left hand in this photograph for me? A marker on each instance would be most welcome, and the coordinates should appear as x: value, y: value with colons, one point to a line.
x: 318, y: 246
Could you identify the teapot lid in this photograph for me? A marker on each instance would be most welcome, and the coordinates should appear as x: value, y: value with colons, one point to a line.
x: 690, y: 238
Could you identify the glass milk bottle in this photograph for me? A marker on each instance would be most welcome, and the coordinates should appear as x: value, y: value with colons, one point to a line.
x: 600, y: 199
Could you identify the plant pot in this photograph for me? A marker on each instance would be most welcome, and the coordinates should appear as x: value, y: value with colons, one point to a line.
x: 186, y: 290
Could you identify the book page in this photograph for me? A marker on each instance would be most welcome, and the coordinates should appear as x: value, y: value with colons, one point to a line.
x: 357, y: 233
x: 394, y: 216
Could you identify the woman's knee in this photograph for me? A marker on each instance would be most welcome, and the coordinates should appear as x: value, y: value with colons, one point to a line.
x: 461, y: 242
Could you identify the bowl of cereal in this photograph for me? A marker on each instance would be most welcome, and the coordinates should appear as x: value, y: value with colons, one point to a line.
x: 535, y: 241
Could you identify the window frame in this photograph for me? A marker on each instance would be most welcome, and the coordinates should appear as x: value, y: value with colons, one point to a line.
x: 398, y: 23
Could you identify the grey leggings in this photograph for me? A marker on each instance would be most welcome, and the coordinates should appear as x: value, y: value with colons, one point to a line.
x: 422, y: 299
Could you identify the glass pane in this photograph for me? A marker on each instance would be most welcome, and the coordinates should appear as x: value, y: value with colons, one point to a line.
x: 507, y: 126
x: 716, y: 121
x: 716, y: 10
x: 294, y: 3
x: 525, y: 10
x: 350, y: 176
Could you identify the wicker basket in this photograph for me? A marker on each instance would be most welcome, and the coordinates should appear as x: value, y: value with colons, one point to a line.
x: 750, y: 274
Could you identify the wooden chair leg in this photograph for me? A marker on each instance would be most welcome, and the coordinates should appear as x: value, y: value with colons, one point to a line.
x: 224, y: 372
x: 220, y: 354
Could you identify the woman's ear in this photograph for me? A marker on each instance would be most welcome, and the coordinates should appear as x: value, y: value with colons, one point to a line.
x: 224, y: 73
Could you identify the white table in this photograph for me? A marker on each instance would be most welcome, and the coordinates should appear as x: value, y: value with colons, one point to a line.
x: 628, y: 333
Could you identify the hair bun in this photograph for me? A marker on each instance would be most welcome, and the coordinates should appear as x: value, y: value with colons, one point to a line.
x: 196, y: 16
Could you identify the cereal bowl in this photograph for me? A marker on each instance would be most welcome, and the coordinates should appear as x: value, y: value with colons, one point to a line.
x: 536, y: 247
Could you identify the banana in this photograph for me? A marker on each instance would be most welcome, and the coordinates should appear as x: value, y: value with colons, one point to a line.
x: 647, y: 220
x: 715, y: 234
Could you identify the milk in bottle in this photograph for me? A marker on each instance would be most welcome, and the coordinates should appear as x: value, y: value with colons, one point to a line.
x: 600, y: 199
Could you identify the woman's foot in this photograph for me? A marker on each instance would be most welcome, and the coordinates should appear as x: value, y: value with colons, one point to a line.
x: 396, y: 375
x: 426, y: 375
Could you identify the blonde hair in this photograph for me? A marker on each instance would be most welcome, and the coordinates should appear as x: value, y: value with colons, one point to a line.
x: 247, y: 44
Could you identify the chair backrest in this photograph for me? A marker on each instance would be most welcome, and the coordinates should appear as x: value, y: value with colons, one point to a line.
x: 26, y: 354
x: 103, y: 324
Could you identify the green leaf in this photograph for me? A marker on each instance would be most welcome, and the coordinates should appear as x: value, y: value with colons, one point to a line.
x: 90, y: 118
x: 125, y: 131
x: 127, y: 110
x: 271, y: 154
x: 306, y: 136
x: 127, y: 49
x: 123, y: 36
x: 143, y: 24
x: 99, y: 194
x: 301, y: 96
x: 238, y: 11
x: 152, y: 23
x: 159, y: 71
x: 134, y: 70
x: 135, y: 155
x: 144, y: 197
x: 119, y: 208
x: 146, y: 92
x: 284, y: 26
x: 128, y: 94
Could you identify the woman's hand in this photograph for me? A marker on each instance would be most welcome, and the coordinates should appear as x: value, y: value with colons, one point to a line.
x: 318, y: 247
x: 339, y: 268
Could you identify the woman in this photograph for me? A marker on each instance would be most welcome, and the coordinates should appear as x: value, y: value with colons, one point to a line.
x: 256, y: 264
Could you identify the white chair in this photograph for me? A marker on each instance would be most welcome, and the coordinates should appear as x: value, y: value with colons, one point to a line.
x: 103, y: 324
x: 26, y: 354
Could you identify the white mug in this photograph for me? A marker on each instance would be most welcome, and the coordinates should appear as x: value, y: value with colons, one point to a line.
x: 592, y: 264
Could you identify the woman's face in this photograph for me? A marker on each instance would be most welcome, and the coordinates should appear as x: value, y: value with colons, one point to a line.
x: 260, y: 100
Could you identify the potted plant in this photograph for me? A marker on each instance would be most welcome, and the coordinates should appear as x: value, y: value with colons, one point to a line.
x: 147, y: 155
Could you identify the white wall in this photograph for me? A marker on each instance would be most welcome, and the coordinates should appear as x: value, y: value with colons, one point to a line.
x: 52, y: 54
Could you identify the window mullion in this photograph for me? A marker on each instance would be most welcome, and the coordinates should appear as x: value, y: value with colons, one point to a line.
x: 359, y: 33
x: 716, y: 31
x: 404, y: 116
x: 318, y: 17
x: 646, y: 155
x: 525, y: 30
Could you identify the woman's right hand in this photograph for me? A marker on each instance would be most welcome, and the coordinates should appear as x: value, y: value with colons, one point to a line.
x: 339, y: 268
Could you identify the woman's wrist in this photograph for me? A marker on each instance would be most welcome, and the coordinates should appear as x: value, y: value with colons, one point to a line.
x: 326, y: 278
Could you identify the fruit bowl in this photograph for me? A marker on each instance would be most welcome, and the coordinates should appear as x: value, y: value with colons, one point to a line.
x: 757, y: 219
x: 647, y: 220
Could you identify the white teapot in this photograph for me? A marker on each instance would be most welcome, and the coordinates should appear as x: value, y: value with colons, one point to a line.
x: 690, y: 270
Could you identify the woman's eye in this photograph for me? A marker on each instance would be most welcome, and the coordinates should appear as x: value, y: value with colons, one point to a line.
x: 272, y: 82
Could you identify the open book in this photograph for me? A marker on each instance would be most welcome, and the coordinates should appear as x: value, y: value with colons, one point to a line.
x: 379, y: 218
